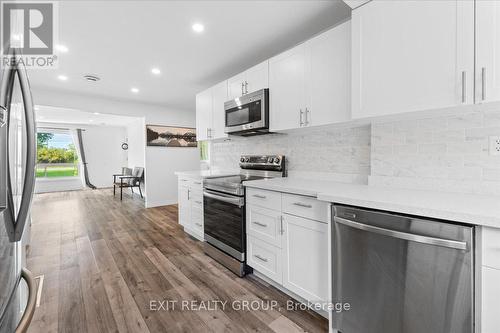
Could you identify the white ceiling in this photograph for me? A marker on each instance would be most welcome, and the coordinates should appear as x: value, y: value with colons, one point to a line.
x: 121, y: 41
x: 53, y: 115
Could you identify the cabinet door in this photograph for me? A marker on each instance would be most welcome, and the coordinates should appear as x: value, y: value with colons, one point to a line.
x: 328, y: 76
x: 305, y: 258
x: 219, y: 97
x: 490, y: 308
x: 487, y: 50
x: 287, y: 89
x: 236, y: 86
x: 257, y: 77
x: 203, y: 115
x: 411, y: 55
x: 184, y: 206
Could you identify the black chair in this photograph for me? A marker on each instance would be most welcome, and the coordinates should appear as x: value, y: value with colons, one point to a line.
x: 131, y: 181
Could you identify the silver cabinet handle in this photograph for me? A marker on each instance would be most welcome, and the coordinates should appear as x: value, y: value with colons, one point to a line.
x: 184, y: 180
x: 483, y: 81
x: 25, y: 321
x: 300, y: 117
x: 260, y: 258
x: 282, y: 230
x: 197, y: 183
x: 246, y: 87
x: 242, y: 87
x: 199, y: 224
x: 307, y: 117
x: 403, y: 235
x: 260, y: 224
x: 189, y: 196
x: 260, y: 196
x: 300, y: 204
x: 198, y: 202
x: 464, y: 86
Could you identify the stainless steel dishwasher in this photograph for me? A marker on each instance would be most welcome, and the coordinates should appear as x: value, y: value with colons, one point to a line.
x: 401, y: 274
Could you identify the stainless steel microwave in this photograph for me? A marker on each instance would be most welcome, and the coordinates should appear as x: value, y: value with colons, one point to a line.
x: 248, y: 114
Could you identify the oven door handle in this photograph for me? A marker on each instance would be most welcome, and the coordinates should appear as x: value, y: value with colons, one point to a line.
x: 237, y: 201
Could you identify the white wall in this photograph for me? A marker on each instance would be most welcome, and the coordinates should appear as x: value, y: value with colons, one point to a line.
x: 136, y: 144
x: 104, y: 154
x: 160, y: 163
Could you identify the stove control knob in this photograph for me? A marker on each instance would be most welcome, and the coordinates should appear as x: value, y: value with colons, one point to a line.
x: 270, y: 160
x: 247, y: 160
x: 276, y: 160
x: 242, y: 160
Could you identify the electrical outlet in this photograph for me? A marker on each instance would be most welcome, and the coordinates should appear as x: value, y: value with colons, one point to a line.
x: 494, y: 145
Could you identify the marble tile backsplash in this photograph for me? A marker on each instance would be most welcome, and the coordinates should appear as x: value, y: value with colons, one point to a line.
x: 341, y: 154
x: 448, y: 153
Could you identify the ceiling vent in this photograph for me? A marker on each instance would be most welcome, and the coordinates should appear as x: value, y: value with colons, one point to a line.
x: 91, y: 78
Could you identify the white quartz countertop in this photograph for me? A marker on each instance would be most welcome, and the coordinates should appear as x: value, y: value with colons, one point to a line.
x: 467, y: 208
x: 202, y: 174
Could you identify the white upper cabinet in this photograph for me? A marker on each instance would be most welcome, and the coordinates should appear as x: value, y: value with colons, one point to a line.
x: 203, y: 115
x: 411, y: 55
x: 487, y: 50
x: 219, y: 97
x: 328, y: 77
x: 236, y: 86
x: 287, y: 73
x: 257, y: 77
x: 210, y: 115
x: 309, y: 84
x: 251, y: 80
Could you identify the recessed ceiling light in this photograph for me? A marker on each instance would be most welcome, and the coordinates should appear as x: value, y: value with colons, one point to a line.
x: 96, y: 113
x: 62, y: 48
x: 198, y: 27
x: 134, y: 90
x: 62, y: 77
x: 156, y: 71
x: 37, y: 108
x: 91, y: 120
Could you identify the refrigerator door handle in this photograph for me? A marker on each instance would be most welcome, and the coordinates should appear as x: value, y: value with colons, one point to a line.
x: 30, y: 307
x: 29, y: 173
x: 15, y: 226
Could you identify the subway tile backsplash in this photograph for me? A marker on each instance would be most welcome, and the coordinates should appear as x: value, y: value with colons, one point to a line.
x: 446, y: 153
x: 341, y: 154
x: 449, y: 153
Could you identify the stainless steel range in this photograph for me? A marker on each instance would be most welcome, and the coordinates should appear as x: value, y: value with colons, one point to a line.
x: 224, y: 209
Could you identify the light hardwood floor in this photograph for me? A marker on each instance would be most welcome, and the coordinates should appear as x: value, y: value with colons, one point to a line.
x: 104, y: 261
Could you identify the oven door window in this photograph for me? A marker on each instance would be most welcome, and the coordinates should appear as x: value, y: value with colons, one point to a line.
x: 224, y: 222
x: 244, y: 114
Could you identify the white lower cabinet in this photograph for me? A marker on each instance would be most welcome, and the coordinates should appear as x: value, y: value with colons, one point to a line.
x: 191, y: 206
x: 289, y: 249
x: 305, y: 258
x: 265, y: 258
x: 490, y: 307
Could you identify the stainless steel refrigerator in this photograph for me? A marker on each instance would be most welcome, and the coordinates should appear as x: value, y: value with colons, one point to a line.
x: 17, y: 179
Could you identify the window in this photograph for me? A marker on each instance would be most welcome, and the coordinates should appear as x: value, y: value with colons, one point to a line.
x: 204, y: 150
x: 56, y: 154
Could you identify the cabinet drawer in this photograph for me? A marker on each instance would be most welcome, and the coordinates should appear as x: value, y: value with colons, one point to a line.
x: 184, y: 182
x: 491, y: 247
x: 265, y: 258
x: 196, y: 198
x: 264, y: 224
x: 196, y: 184
x: 307, y: 207
x: 263, y: 198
